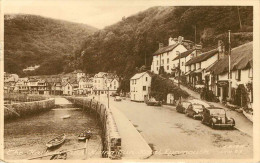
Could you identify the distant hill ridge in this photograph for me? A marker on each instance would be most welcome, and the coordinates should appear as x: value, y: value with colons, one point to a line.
x: 32, y: 39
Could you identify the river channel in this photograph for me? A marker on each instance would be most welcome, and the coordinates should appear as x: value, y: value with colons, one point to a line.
x: 26, y: 138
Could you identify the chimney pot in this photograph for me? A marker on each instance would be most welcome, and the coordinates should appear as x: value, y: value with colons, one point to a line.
x: 160, y: 45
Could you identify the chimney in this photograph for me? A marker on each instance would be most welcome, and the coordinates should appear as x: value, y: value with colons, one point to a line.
x: 221, y: 49
x: 172, y: 41
x: 198, y: 48
x: 160, y: 45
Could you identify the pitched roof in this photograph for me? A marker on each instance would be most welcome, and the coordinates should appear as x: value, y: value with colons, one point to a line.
x: 202, y: 57
x: 184, y: 54
x: 166, y: 49
x: 139, y: 75
x: 241, y: 57
x: 100, y: 74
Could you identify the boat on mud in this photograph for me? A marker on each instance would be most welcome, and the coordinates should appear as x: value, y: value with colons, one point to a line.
x: 56, y: 141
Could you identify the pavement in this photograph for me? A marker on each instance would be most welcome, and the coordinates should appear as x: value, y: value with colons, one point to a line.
x: 242, y: 123
x: 133, y: 144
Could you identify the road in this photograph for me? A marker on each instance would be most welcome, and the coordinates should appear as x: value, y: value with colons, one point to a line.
x: 173, y: 135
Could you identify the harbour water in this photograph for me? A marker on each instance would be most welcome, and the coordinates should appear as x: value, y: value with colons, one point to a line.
x: 26, y: 138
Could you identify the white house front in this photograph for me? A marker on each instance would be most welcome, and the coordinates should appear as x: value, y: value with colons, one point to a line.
x: 140, y: 86
x: 67, y: 89
x: 164, y: 56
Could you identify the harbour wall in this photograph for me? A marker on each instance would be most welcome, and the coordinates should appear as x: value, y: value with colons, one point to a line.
x: 22, y: 109
x: 110, y: 135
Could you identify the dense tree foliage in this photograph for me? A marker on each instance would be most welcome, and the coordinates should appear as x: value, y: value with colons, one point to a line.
x: 131, y: 42
x: 162, y: 86
x: 31, y: 40
x: 123, y: 46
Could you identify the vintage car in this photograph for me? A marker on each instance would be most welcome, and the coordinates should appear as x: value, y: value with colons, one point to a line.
x: 153, y: 102
x: 114, y: 94
x: 195, y: 108
x: 182, y: 106
x: 216, y: 117
x: 117, y: 98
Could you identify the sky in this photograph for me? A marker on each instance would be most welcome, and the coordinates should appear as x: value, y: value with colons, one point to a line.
x: 96, y: 13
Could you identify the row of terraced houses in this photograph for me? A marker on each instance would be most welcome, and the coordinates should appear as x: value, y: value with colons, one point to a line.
x: 75, y: 83
x: 198, y: 68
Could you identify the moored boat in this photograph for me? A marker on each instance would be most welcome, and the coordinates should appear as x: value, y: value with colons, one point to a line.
x: 65, y: 116
x: 56, y: 141
x: 85, y: 135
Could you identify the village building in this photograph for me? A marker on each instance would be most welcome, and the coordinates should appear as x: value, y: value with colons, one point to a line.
x: 89, y: 85
x: 140, y: 86
x: 21, y: 86
x: 67, y: 89
x: 43, y: 87
x: 33, y: 86
x: 99, y: 83
x: 196, y: 67
x: 113, y: 85
x: 163, y: 57
x: 241, y: 67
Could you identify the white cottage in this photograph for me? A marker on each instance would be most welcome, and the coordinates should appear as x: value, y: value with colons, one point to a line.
x: 164, y: 56
x: 140, y: 86
x: 67, y: 89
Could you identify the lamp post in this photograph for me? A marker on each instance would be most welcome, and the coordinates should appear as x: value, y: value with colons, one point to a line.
x: 229, y: 66
x: 178, y: 54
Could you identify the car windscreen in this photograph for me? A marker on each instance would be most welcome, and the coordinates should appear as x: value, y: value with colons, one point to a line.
x: 217, y: 111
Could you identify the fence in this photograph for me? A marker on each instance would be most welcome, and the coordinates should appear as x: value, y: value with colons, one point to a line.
x: 110, y: 134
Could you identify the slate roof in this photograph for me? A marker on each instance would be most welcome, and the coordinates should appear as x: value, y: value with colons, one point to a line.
x: 202, y: 57
x: 165, y: 49
x: 184, y: 54
x: 241, y: 58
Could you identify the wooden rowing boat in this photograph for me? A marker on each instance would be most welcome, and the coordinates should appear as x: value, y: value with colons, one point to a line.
x: 56, y: 141
x: 85, y: 135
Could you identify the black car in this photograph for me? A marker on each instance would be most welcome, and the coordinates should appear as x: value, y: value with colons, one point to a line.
x: 195, y: 111
x: 216, y: 117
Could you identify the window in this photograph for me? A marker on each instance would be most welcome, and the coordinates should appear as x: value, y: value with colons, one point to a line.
x: 157, y: 68
x: 168, y: 60
x: 238, y: 75
x: 182, y: 63
x: 162, y: 61
x: 195, y: 66
x: 144, y: 88
x: 199, y: 65
x: 167, y: 67
x: 133, y: 82
x: 114, y: 82
x: 146, y: 78
x: 114, y: 87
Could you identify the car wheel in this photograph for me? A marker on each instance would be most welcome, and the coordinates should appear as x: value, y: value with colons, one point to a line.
x: 212, y: 125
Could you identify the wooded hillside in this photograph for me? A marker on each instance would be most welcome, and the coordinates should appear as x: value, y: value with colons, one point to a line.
x: 123, y: 46
x: 31, y: 40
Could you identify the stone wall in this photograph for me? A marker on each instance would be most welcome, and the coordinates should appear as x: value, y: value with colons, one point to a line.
x: 110, y: 134
x: 12, y: 111
x: 23, y: 97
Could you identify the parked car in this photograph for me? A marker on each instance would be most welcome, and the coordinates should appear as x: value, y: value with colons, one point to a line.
x: 182, y: 106
x: 195, y: 111
x: 117, y: 98
x: 114, y: 94
x: 216, y: 117
x: 153, y: 102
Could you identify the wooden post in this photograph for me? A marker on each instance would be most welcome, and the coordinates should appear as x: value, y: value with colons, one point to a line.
x: 86, y: 149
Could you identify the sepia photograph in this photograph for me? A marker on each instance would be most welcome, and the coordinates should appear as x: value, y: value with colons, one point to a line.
x: 128, y: 80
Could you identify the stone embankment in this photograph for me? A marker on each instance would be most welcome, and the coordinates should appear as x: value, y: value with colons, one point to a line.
x: 110, y: 135
x: 12, y: 111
